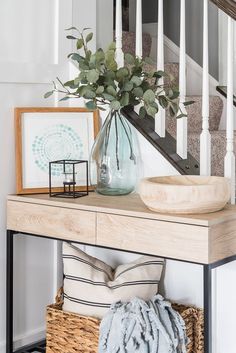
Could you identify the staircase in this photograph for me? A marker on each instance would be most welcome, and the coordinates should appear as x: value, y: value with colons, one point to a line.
x: 193, y: 145
x: 191, y: 165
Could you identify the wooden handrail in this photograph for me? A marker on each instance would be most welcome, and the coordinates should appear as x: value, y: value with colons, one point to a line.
x: 228, y: 6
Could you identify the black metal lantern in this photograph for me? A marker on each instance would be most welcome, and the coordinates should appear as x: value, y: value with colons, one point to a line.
x: 68, y: 173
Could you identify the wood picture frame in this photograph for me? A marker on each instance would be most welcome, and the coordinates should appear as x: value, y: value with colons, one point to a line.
x: 21, y: 113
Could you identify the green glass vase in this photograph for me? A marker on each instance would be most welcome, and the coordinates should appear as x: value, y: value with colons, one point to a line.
x: 115, y: 158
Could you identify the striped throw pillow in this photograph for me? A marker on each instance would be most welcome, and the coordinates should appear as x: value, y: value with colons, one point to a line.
x: 91, y: 286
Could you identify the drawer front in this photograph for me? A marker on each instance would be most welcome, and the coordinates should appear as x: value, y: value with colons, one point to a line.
x: 49, y: 221
x: 173, y: 240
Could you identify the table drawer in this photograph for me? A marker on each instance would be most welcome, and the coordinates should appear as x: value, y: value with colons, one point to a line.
x: 58, y: 222
x: 173, y: 240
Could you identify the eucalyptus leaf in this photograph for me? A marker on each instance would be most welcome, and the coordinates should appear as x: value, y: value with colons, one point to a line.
x: 151, y: 111
x: 124, y: 101
x: 86, y: 92
x: 92, y: 76
x: 137, y: 71
x: 64, y: 99
x: 69, y: 29
x: 100, y: 90
x: 149, y: 96
x: 88, y: 55
x: 129, y: 59
x: 142, y: 112
x: 159, y: 74
x: 80, y: 43
x: 48, y: 94
x: 171, y: 111
x: 181, y: 116
x: 174, y: 94
x: 115, y: 105
x: 128, y: 86
x: 110, y: 55
x: 110, y: 75
x: 188, y: 103
x: 100, y: 56
x: 77, y: 81
x: 175, y: 107
x: 111, y: 90
x: 83, y: 65
x: 82, y: 77
x: 92, y: 62
x: 89, y: 37
x: 112, y: 46
x: 154, y: 105
x: 89, y: 94
x: 138, y: 92
x: 91, y: 105
x: 108, y: 97
x: 137, y: 81
x: 163, y: 101
x: 112, y: 65
x: 145, y: 85
x: 76, y: 57
x: 70, y: 84
x: 71, y: 37
x: 122, y: 73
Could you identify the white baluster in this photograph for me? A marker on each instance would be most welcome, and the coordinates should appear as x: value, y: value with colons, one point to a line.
x: 160, y: 126
x: 230, y: 156
x: 139, y: 30
x: 139, y: 39
x: 182, y: 127
x: 205, y: 138
x: 118, y: 34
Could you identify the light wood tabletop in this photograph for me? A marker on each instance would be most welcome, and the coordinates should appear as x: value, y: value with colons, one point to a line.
x: 124, y: 222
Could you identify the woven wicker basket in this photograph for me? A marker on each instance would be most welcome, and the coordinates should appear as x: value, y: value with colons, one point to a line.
x: 71, y: 333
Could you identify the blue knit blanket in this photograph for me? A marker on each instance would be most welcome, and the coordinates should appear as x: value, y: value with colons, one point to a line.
x: 142, y: 327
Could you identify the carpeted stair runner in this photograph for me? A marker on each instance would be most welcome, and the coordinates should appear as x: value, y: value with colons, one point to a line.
x: 218, y: 137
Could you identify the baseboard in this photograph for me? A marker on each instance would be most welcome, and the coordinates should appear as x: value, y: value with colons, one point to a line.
x: 25, y: 339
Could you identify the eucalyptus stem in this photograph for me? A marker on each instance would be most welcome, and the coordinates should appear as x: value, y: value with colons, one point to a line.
x: 117, y: 145
x: 108, y: 129
x: 132, y: 155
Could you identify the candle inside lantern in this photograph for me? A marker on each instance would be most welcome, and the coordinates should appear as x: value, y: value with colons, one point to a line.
x: 69, y: 178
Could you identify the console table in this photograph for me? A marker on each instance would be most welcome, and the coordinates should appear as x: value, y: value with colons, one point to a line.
x: 123, y: 223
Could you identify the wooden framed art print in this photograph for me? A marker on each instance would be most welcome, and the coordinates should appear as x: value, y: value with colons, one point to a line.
x: 44, y: 135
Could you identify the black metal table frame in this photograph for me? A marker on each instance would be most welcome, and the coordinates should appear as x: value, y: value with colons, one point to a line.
x: 207, y: 294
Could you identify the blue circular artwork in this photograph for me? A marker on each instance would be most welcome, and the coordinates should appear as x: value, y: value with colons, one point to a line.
x: 57, y: 142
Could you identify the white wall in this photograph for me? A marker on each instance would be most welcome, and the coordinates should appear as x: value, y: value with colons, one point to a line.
x: 32, y: 282
x: 33, y: 51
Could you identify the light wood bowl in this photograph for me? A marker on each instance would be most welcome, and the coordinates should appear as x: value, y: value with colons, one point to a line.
x: 185, y: 194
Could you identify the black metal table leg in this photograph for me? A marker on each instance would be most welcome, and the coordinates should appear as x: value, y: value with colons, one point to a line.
x: 9, y: 293
x: 207, y: 308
